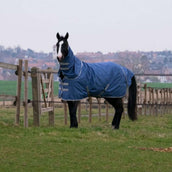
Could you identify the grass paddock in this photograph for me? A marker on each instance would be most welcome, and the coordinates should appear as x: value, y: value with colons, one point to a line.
x: 92, y: 147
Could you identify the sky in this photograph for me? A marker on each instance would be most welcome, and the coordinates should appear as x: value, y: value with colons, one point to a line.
x: 93, y: 25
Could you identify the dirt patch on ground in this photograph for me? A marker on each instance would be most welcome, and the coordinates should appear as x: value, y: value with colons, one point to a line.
x: 158, y: 149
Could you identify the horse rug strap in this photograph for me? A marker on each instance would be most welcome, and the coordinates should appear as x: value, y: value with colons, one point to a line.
x: 82, y: 79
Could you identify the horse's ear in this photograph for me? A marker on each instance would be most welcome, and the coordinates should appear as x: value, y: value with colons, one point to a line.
x: 67, y: 36
x: 58, y: 36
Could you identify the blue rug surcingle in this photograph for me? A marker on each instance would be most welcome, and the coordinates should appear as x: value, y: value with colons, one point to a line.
x: 82, y: 79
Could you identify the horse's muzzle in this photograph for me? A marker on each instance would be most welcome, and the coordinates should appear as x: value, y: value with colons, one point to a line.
x: 60, y: 58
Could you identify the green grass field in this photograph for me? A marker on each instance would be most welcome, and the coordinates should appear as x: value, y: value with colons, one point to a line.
x: 9, y: 88
x: 92, y: 147
x: 159, y: 85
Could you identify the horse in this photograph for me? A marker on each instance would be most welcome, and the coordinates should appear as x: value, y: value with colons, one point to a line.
x: 106, y: 80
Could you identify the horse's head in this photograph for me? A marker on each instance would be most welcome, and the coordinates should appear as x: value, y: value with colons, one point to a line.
x: 62, y: 46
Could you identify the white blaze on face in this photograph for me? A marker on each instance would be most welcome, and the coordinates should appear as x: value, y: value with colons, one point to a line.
x: 59, y: 53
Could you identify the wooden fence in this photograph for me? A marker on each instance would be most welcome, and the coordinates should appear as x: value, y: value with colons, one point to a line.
x: 154, y: 101
x: 42, y: 94
x: 89, y: 104
x: 149, y: 100
x: 17, y: 98
x: 144, y: 106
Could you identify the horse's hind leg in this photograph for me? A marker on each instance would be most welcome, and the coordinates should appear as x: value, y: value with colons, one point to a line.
x: 72, y: 111
x: 118, y: 106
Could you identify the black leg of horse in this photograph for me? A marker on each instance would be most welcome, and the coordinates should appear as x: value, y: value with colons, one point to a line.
x: 72, y: 111
x: 118, y: 106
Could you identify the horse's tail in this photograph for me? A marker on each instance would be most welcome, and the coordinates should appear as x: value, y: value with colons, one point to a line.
x: 132, y: 110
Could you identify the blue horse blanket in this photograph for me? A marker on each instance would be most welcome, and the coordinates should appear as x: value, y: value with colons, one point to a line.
x: 81, y: 80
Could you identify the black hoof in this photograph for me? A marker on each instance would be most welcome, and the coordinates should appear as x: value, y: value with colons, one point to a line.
x: 73, y: 126
x: 115, y: 128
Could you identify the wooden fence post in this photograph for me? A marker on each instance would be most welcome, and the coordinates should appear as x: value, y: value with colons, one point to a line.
x: 99, y: 108
x: 90, y: 109
x: 51, y: 113
x: 19, y: 82
x: 139, y: 98
x: 36, y: 95
x: 145, y: 99
x: 26, y: 94
x: 165, y: 100
x: 170, y: 100
x: 157, y: 101
x: 153, y: 100
x: 170, y: 95
x: 149, y: 102
x: 107, y: 111
x: 151, y: 96
x: 161, y: 106
x: 138, y: 93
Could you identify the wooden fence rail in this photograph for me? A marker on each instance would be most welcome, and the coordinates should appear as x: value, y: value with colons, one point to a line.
x: 8, y: 66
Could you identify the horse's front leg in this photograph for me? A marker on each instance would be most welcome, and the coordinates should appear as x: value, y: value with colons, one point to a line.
x: 72, y: 112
